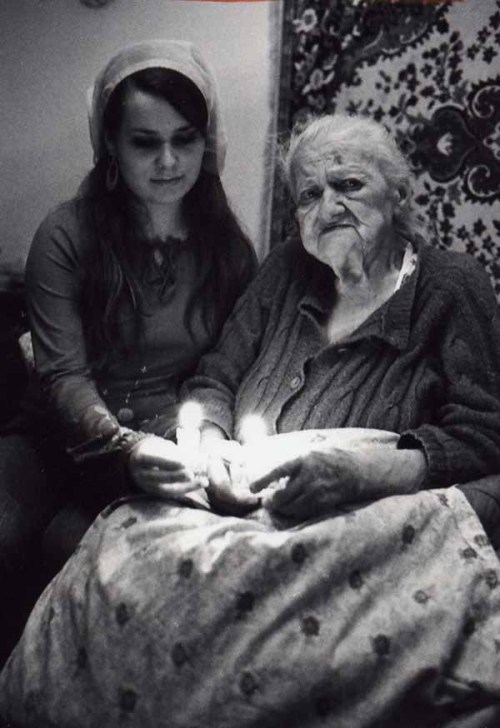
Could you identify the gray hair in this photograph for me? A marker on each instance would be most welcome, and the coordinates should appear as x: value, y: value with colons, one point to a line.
x: 374, y: 143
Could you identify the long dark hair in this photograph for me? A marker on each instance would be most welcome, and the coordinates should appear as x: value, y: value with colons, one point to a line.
x: 224, y: 257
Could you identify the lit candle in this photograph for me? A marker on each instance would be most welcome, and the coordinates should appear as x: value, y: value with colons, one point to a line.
x: 254, y: 440
x: 253, y: 428
x: 188, y: 433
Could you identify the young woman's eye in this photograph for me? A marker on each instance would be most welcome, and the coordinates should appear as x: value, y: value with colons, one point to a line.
x: 186, y: 138
x: 145, y: 142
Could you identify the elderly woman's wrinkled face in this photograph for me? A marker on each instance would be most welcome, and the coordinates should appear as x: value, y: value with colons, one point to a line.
x: 345, y: 207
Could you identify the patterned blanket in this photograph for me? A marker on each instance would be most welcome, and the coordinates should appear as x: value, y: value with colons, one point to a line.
x: 168, y: 616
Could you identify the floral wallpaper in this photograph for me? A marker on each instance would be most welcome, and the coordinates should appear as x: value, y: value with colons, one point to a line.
x: 430, y: 73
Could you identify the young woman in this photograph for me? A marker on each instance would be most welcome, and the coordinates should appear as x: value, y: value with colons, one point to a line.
x: 127, y: 285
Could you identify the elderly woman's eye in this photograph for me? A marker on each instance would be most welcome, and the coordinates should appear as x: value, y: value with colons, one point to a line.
x: 307, y: 196
x: 351, y: 184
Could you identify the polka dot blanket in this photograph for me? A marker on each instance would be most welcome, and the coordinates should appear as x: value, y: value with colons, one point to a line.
x: 175, y: 617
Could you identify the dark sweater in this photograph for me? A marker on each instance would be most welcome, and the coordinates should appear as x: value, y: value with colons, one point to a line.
x: 426, y: 364
x: 142, y: 376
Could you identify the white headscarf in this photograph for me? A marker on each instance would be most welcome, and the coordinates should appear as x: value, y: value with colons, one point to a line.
x: 174, y: 55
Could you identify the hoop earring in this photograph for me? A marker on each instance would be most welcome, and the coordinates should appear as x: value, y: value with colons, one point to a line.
x: 112, y: 174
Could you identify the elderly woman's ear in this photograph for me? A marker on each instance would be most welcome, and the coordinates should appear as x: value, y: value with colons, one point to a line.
x: 403, y: 195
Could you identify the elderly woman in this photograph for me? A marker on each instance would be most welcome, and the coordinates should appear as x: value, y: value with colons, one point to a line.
x: 358, y: 323
x: 365, y: 592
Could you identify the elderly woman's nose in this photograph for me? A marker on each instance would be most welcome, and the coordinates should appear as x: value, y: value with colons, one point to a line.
x: 330, y: 203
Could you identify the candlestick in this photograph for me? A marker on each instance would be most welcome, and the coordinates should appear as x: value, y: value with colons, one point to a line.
x: 253, y: 437
x: 188, y: 432
x: 188, y: 435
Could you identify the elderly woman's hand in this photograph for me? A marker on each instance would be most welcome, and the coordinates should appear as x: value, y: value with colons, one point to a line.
x: 226, y: 490
x: 328, y: 477
x: 156, y: 466
x: 312, y: 484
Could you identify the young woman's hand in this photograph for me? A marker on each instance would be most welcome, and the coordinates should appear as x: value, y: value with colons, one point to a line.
x: 313, y: 484
x: 157, y: 467
x: 224, y: 491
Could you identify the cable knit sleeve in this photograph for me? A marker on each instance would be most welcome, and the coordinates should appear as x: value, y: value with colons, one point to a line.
x: 463, y: 441
x: 221, y: 371
x: 53, y: 281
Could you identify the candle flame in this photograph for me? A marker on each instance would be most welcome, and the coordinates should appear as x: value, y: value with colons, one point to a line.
x: 191, y: 415
x: 253, y: 428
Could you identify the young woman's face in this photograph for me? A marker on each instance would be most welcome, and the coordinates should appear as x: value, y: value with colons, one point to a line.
x: 159, y: 152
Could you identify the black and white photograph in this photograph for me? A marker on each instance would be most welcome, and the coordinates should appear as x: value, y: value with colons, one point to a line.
x: 250, y: 364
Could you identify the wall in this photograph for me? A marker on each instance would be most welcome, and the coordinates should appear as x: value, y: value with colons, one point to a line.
x: 50, y: 51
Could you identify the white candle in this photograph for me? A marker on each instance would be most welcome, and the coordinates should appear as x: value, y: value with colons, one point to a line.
x: 254, y: 440
x: 188, y: 433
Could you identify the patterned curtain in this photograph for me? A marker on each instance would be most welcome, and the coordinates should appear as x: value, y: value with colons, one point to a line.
x: 430, y: 72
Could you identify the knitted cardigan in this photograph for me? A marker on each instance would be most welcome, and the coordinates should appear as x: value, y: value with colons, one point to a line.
x: 426, y: 364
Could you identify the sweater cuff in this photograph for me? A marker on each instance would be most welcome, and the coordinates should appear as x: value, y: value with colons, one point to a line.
x: 120, y: 444
x: 218, y: 414
x: 107, y: 463
x: 425, y: 439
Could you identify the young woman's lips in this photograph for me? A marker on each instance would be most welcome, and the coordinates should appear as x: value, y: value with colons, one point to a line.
x: 166, y: 180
